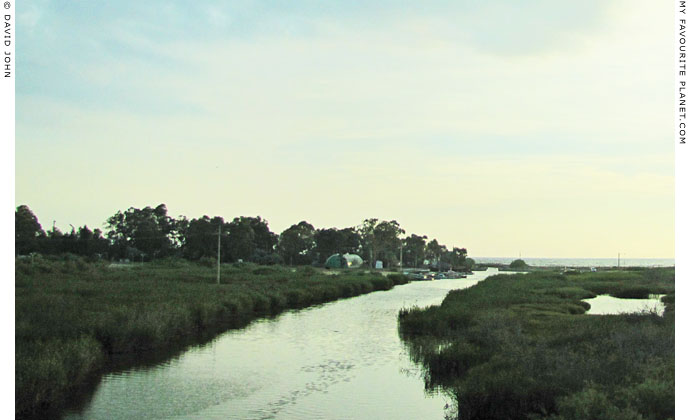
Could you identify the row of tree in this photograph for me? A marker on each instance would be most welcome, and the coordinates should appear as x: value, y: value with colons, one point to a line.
x: 150, y: 233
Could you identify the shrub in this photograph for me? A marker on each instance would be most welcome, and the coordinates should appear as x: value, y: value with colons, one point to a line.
x: 266, y: 258
x: 207, y: 262
x: 398, y: 278
x: 571, y: 293
x: 638, y: 292
x: 592, y: 403
x: 264, y: 270
x: 307, y: 271
x: 669, y: 298
x: 518, y: 264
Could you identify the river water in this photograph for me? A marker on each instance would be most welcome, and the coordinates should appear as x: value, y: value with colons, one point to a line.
x: 340, y: 360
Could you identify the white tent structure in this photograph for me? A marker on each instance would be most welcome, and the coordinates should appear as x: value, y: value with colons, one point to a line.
x: 353, y: 260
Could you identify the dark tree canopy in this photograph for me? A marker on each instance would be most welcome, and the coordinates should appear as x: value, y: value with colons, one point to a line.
x: 327, y: 243
x: 413, y: 250
x: 336, y: 241
x: 381, y: 240
x: 352, y: 242
x: 200, y: 238
x: 242, y: 239
x: 434, y: 250
x: 264, y: 239
x: 366, y: 232
x: 252, y: 240
x: 456, y: 257
x: 519, y: 264
x: 296, y: 243
x: 149, y: 233
x: 27, y: 231
x: 387, y: 238
x: 147, y: 230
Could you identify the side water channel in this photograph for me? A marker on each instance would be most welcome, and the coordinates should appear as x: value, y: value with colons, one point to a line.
x: 340, y: 360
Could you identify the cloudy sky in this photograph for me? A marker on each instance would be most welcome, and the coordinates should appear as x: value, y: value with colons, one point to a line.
x: 535, y: 127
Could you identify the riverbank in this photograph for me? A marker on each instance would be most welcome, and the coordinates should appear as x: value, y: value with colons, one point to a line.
x: 522, y: 347
x: 73, y: 318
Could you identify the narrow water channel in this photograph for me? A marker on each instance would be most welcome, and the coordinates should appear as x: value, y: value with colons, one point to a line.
x: 340, y: 360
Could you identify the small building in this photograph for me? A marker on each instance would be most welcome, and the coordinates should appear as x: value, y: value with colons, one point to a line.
x: 344, y: 261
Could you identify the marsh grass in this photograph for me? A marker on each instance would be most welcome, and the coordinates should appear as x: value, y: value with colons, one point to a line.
x: 73, y: 317
x: 518, y: 347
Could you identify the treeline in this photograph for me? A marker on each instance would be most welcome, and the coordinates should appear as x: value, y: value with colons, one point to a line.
x: 150, y: 233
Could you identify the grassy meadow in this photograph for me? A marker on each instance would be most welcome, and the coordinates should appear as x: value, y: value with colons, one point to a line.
x: 74, y: 317
x: 521, y: 347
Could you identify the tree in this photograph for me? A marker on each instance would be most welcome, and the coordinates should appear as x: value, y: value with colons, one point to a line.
x: 336, y: 241
x: 327, y: 242
x: 413, y: 249
x: 54, y: 241
x: 387, y: 240
x: 99, y: 245
x: 27, y: 231
x: 177, y: 235
x: 456, y: 257
x: 435, y: 252
x: 264, y: 239
x: 242, y: 245
x: 519, y: 264
x: 199, y: 238
x: 352, y: 242
x: 148, y: 230
x: 366, y: 232
x: 296, y: 243
x: 380, y: 239
x: 70, y: 242
x: 252, y: 240
x: 84, y: 239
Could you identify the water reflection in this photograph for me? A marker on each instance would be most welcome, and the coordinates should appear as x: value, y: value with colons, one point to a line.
x: 609, y: 305
x: 339, y: 360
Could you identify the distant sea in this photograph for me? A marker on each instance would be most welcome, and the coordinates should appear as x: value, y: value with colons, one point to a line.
x: 583, y: 262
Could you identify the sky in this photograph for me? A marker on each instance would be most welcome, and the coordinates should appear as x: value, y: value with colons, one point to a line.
x: 532, y: 128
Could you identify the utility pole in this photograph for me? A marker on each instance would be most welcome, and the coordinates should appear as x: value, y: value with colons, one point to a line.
x: 401, y: 246
x: 218, y: 275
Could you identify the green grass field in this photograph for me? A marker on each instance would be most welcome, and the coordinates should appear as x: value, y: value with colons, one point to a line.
x: 520, y: 347
x: 73, y: 317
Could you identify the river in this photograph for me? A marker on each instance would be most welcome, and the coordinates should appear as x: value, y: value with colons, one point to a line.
x: 340, y: 360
